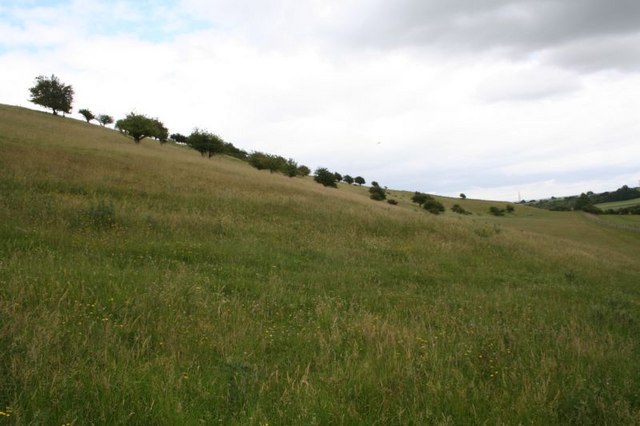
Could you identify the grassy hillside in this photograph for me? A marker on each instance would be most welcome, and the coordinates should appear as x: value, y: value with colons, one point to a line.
x: 619, y: 204
x: 143, y: 284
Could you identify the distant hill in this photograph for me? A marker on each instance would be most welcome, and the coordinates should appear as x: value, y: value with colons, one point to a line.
x: 623, y: 193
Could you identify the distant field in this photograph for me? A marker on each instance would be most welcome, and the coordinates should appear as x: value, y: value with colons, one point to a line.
x: 619, y: 204
x: 143, y: 284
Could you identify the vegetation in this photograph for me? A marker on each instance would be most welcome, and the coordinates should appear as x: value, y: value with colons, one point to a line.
x: 50, y: 92
x: 139, y: 126
x: 433, y: 206
x: 324, y: 177
x: 463, y: 197
x: 177, y: 137
x: 587, y: 201
x: 104, y: 119
x: 457, y: 208
x: 376, y: 192
x: 88, y: 115
x: 347, y: 179
x: 154, y: 287
x: 420, y: 198
x: 496, y: 211
x: 359, y: 180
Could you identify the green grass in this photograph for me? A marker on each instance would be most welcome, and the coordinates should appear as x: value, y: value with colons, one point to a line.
x: 619, y: 204
x: 143, y: 284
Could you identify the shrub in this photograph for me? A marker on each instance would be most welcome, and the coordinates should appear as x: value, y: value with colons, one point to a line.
x: 377, y: 193
x: 420, y: 198
x: 457, y: 208
x: 433, y: 206
x: 304, y: 171
x: 509, y: 208
x: 496, y: 211
x: 392, y: 202
x: 324, y: 177
x: 591, y: 209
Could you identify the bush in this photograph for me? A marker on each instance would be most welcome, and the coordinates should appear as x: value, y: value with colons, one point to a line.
x: 420, y: 198
x: 457, y: 208
x: 509, y: 208
x: 433, y: 206
x: 377, y: 193
x: 304, y: 171
x: 496, y: 211
x: 324, y: 177
x: 347, y: 179
x: 392, y: 202
x: 591, y: 209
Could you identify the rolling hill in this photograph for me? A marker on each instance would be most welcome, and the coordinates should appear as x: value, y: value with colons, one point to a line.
x: 144, y: 284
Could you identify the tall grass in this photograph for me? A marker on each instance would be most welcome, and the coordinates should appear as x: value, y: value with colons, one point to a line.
x: 142, y: 284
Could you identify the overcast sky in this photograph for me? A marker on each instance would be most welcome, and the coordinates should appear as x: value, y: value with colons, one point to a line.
x: 487, y: 97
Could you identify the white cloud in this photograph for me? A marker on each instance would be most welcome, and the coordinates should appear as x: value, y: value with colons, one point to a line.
x: 285, y: 77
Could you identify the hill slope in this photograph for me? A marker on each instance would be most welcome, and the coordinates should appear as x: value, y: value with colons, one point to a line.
x: 143, y: 284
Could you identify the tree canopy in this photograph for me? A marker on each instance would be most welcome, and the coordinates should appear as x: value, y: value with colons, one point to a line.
x: 324, y: 177
x: 206, y: 143
x: 139, y: 126
x: 87, y: 114
x: 104, y: 119
x: 50, y: 92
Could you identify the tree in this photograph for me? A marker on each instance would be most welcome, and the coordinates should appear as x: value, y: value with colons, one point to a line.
x: 348, y: 179
x: 290, y: 168
x: 139, y: 126
x: 177, y: 137
x: 162, y: 133
x: 205, y: 143
x: 104, y: 119
x: 325, y: 177
x: 462, y: 196
x: 359, y: 180
x: 304, y: 171
x: 52, y: 93
x: 338, y: 176
x: 88, y: 115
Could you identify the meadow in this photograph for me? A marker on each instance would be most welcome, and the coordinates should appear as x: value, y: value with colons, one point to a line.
x: 619, y: 204
x: 143, y: 284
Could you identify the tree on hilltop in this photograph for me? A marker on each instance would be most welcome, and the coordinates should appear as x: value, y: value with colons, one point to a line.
x: 205, y: 143
x: 88, y: 115
x: 139, y: 126
x: 347, y: 179
x: 52, y: 93
x: 359, y: 180
x: 104, y: 119
x: 324, y: 177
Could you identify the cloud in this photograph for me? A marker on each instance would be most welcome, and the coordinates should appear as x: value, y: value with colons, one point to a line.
x: 526, y: 83
x: 432, y: 96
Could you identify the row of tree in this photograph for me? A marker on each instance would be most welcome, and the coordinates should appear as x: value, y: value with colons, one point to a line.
x: 50, y: 92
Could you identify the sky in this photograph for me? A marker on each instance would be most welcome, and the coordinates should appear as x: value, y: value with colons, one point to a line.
x: 497, y: 99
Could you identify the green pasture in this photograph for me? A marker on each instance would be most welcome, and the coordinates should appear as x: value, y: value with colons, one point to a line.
x: 146, y: 285
x: 619, y: 204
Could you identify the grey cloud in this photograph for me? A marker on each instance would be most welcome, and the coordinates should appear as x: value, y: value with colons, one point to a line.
x: 563, y: 30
